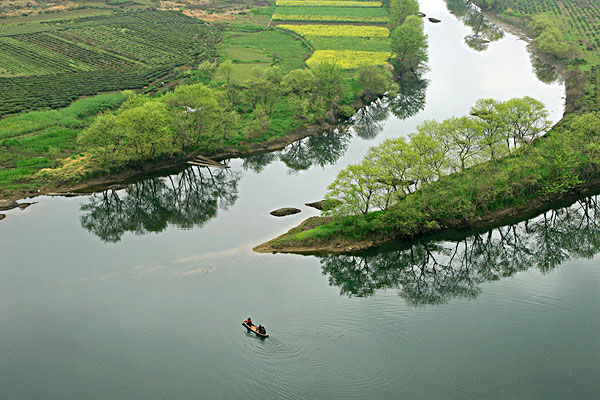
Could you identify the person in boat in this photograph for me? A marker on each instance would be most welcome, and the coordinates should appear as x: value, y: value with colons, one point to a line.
x: 248, y: 321
x: 262, y: 330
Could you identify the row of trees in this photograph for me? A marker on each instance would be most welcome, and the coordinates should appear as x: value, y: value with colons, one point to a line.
x: 209, y: 118
x: 408, y: 41
x: 398, y: 167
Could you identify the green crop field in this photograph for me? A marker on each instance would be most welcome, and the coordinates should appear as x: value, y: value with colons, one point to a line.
x: 350, y: 43
x: 260, y: 49
x: 346, y: 33
x: 51, y: 65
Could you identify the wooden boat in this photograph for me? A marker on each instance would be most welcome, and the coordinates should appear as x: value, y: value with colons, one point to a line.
x: 254, y: 328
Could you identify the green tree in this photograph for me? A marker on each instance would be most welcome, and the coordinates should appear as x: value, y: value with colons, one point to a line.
x: 527, y: 119
x: 431, y: 157
x: 329, y: 85
x: 374, y: 80
x: 493, y: 127
x: 394, y: 160
x: 227, y: 69
x: 462, y: 136
x: 409, y: 43
x: 195, y: 112
x: 356, y: 187
x: 400, y: 10
x: 102, y: 139
x: 264, y: 88
x: 147, y: 131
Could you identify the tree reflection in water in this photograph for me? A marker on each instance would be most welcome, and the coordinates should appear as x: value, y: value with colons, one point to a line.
x: 409, y: 99
x: 328, y: 147
x: 483, y: 31
x: 324, y: 149
x: 368, y: 121
x: 435, y: 272
x: 187, y: 200
x: 545, y: 72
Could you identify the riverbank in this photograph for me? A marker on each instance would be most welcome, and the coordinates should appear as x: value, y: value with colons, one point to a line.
x: 285, y: 243
x: 165, y: 167
x: 561, y: 165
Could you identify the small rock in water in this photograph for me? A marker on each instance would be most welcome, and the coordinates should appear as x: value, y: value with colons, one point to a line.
x: 23, y: 206
x: 324, y: 205
x: 2, y: 216
x: 316, y: 204
x: 8, y: 204
x: 282, y: 212
x: 434, y: 20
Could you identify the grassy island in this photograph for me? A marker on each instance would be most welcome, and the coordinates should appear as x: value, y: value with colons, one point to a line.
x: 499, y: 163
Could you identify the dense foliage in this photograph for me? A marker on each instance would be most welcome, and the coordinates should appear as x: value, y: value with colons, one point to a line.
x: 210, y: 119
x: 398, y: 167
x: 408, y: 41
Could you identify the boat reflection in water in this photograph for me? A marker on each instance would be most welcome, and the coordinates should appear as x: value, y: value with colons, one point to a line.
x: 433, y: 272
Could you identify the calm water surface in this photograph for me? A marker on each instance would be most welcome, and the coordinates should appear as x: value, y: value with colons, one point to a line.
x: 140, y: 294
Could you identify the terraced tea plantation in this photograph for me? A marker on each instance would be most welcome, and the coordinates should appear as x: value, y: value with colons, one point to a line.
x: 351, y: 33
x: 64, y: 60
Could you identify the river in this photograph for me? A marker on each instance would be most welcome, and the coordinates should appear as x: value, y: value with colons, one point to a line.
x: 140, y: 293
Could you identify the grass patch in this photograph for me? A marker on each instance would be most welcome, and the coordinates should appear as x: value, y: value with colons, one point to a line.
x: 276, y: 47
x: 248, y: 55
x: 357, y: 44
x: 71, y: 116
x: 241, y: 72
x: 39, y: 139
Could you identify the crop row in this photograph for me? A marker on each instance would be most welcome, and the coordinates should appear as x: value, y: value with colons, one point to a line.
x: 31, y: 93
x: 327, y: 3
x: 133, y: 45
x: 329, y: 18
x: 349, y: 59
x: 96, y: 57
x: 336, y: 11
x: 20, y: 58
x: 338, y: 30
x: 527, y: 7
x: 582, y: 16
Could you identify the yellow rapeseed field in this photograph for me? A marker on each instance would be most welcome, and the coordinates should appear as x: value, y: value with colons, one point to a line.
x: 338, y: 30
x: 329, y: 18
x: 349, y: 59
x: 327, y: 3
